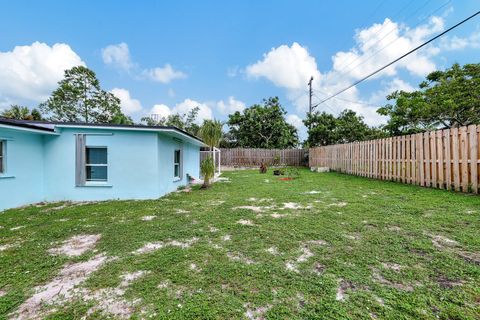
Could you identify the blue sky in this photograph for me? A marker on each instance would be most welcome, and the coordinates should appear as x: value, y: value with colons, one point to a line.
x: 163, y: 57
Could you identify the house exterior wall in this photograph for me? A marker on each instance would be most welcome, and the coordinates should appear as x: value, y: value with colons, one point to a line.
x: 190, y: 162
x: 22, y: 183
x: 140, y: 166
x: 132, y: 166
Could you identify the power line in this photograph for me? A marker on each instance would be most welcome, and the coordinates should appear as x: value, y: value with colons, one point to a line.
x: 387, y: 45
x: 401, y: 57
x: 346, y: 100
x: 379, y: 31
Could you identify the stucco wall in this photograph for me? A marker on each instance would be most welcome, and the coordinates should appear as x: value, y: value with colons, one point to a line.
x: 132, y: 166
x: 23, y: 181
x: 140, y: 166
x: 191, y: 162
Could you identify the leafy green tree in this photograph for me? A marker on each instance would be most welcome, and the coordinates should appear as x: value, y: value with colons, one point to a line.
x: 187, y: 122
x: 122, y: 119
x: 262, y: 126
x: 321, y: 129
x: 449, y: 98
x: 325, y: 129
x: 21, y: 113
x: 79, y: 98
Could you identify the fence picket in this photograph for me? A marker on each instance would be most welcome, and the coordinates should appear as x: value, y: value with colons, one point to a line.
x: 447, y: 158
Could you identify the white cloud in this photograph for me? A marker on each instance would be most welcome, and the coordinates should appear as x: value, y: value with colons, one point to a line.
x: 32, y: 72
x: 459, y: 43
x: 163, y: 74
x: 230, y: 106
x: 184, y: 107
x: 117, y: 55
x: 297, y: 122
x: 160, y: 111
x: 290, y: 67
x: 205, y: 112
x: 287, y: 67
x: 127, y: 103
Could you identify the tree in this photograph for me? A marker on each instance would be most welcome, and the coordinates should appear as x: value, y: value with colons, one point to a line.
x: 211, y: 133
x: 79, y: 98
x: 187, y: 122
x: 21, y: 113
x: 449, y: 98
x: 321, y: 130
x: 325, y: 129
x: 262, y: 126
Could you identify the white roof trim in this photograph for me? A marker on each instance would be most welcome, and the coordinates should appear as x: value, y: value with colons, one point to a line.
x: 14, y: 127
x: 197, y: 142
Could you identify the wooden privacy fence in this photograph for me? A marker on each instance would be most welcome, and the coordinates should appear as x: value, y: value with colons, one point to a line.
x: 445, y: 159
x: 253, y: 157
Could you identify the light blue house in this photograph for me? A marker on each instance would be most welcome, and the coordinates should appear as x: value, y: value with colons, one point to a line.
x: 85, y: 162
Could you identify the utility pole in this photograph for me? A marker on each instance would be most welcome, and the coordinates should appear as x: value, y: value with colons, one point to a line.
x: 310, y: 94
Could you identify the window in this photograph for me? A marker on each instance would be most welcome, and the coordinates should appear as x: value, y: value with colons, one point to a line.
x: 2, y: 156
x: 177, y: 172
x: 96, y: 164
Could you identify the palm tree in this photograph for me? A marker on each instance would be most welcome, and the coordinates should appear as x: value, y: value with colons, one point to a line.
x: 21, y: 113
x: 211, y: 134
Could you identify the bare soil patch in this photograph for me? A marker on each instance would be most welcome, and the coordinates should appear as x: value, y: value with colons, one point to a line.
x: 60, y: 289
x: 153, y: 246
x: 76, y: 245
x: 246, y: 222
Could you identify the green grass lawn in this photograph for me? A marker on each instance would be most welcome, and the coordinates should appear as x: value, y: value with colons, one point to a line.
x: 322, y: 246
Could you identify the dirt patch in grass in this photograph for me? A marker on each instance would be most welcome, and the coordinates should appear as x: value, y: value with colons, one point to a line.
x: 238, y: 257
x: 60, y: 289
x: 343, y: 288
x: 392, y: 266
x: 295, y: 206
x: 244, y: 222
x: 318, y: 268
x: 153, y: 246
x: 292, y: 265
x: 227, y: 237
x: 7, y: 246
x: 312, y: 192
x: 273, y: 251
x: 449, y: 245
x: 446, y: 283
x: 64, y: 205
x: 278, y: 215
x: 17, y: 228
x: 110, y: 301
x: 338, y: 204
x: 76, y: 245
x: 256, y: 313
x: 253, y: 199
x: 378, y: 277
x: 253, y: 208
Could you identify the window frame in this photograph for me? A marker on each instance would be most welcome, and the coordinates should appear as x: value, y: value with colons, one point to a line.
x: 179, y: 164
x: 95, y: 165
x: 3, y: 156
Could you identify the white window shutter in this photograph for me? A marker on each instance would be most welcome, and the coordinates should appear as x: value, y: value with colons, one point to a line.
x: 80, y: 173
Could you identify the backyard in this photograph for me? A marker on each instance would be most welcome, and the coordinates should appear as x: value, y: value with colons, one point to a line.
x: 324, y: 245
